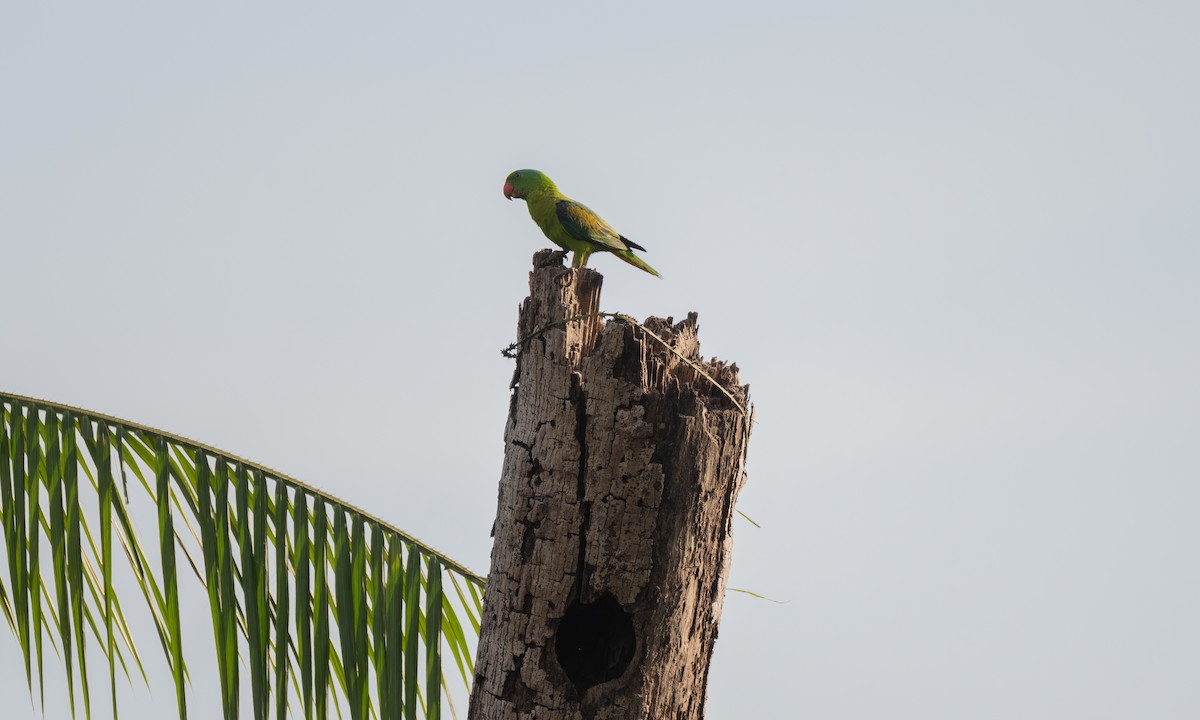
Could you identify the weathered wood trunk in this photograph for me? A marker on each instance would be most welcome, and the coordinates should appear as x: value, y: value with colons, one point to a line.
x: 622, y: 465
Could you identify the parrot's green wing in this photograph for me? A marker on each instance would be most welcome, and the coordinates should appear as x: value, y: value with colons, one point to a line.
x: 586, y: 226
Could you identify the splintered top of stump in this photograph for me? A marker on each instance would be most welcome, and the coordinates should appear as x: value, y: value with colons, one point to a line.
x: 564, y: 304
x: 549, y: 258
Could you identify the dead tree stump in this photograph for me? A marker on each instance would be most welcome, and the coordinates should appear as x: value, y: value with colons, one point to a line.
x: 622, y: 465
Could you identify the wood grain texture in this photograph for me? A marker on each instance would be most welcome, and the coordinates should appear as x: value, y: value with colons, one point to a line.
x: 622, y: 466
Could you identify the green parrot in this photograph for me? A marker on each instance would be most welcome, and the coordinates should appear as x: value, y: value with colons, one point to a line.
x: 568, y: 224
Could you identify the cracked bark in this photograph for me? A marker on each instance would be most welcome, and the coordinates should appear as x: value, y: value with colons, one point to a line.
x: 612, y: 535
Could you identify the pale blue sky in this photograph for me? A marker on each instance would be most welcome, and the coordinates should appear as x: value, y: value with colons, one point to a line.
x: 954, y: 247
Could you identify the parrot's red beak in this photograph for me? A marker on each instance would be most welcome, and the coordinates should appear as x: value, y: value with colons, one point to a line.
x: 508, y: 190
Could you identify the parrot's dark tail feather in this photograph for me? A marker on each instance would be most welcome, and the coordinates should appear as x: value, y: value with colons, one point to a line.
x: 631, y: 244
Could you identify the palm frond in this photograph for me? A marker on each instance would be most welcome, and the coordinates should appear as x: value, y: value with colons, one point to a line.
x: 314, y: 603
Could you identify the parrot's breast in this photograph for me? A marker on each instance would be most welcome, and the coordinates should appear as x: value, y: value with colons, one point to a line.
x: 541, y: 209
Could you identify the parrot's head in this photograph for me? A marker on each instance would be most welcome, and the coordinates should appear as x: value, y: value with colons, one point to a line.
x: 520, y: 183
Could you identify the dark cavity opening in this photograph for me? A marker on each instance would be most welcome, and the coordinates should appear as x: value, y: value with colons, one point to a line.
x: 595, y: 642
